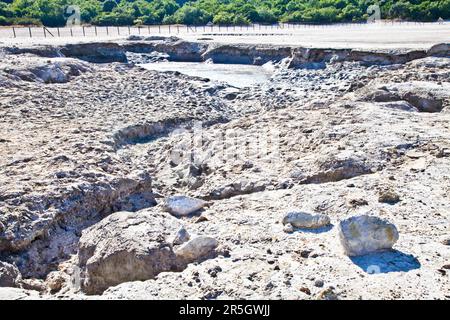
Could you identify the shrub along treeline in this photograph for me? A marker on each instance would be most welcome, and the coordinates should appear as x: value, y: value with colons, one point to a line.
x: 128, y: 12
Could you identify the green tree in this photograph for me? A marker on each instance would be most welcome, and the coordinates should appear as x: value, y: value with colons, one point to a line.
x: 192, y: 15
x: 400, y: 10
x: 4, y: 21
x: 114, y: 12
x: 109, y: 5
x: 266, y: 15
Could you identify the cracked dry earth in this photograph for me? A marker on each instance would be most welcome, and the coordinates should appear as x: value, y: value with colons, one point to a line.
x: 95, y: 151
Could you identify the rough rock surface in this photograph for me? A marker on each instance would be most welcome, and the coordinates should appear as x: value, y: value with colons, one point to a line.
x: 133, y: 246
x: 182, y: 206
x: 53, y: 70
x: 126, y: 246
x: 196, y: 249
x: 88, y: 173
x: 9, y: 275
x: 121, y: 138
x: 306, y: 220
x: 365, y: 234
x: 425, y: 96
x: 181, y: 236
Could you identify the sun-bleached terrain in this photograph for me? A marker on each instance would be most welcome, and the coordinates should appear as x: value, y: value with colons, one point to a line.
x: 119, y: 182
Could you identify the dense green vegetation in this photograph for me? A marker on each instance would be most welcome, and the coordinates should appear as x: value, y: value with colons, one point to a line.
x: 128, y: 12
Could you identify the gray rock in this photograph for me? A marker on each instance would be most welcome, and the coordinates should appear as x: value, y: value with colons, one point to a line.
x: 446, y: 241
x: 399, y: 105
x: 197, y: 248
x: 431, y: 62
x: 55, y: 70
x: 134, y: 37
x: 142, y: 58
x: 182, y: 205
x: 162, y: 38
x: 288, y: 228
x: 439, y: 50
x: 424, y: 96
x: 34, y: 285
x: 55, y: 281
x: 327, y: 294
x: 388, y: 196
x: 336, y: 167
x: 318, y: 283
x: 306, y: 220
x: 127, y: 246
x: 9, y: 275
x: 365, y: 234
x: 181, y: 236
x: 229, y: 93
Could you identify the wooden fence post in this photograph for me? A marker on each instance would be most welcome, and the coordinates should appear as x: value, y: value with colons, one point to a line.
x: 14, y: 31
x: 47, y: 31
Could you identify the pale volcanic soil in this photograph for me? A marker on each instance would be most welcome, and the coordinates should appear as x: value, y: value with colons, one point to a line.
x: 91, y: 153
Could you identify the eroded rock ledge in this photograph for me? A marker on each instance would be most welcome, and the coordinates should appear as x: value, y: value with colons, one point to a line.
x: 180, y: 50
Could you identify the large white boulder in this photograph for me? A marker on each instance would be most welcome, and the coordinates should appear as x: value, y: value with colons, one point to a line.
x: 136, y: 246
x: 127, y: 246
x: 366, y: 234
x: 182, y: 205
x: 196, y: 249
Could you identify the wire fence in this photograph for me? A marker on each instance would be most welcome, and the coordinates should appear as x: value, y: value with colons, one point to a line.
x: 105, y: 31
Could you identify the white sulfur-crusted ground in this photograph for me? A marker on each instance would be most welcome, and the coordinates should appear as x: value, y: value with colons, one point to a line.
x: 106, y: 138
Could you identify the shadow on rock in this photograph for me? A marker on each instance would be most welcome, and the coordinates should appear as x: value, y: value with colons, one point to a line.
x: 316, y: 231
x: 387, y: 261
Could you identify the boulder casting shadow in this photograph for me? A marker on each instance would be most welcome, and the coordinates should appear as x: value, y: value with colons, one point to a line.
x: 386, y: 261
